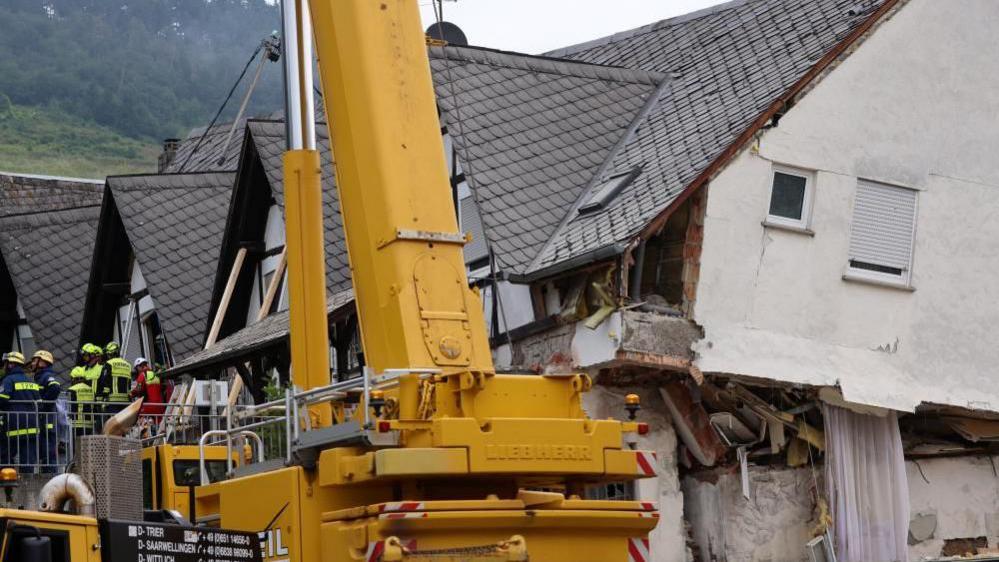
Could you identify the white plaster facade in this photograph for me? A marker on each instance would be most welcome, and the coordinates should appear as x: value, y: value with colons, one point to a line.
x: 915, y: 106
x: 274, y: 237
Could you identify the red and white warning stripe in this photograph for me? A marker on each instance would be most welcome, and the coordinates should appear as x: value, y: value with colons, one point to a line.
x: 648, y: 506
x: 400, y: 506
x: 376, y: 549
x: 646, y: 463
x: 403, y: 515
x: 638, y: 550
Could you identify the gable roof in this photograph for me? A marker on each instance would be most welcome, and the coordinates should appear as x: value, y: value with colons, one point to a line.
x: 268, y: 138
x: 531, y: 133
x: 175, y: 224
x: 728, y: 65
x: 24, y: 193
x: 48, y: 257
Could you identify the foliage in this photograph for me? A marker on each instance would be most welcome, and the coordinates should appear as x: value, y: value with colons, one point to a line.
x: 148, y: 69
x: 46, y: 140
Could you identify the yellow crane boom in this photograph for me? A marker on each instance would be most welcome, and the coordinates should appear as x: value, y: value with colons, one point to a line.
x: 414, y: 305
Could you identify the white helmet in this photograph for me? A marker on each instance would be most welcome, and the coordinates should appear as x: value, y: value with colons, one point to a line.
x: 139, y: 361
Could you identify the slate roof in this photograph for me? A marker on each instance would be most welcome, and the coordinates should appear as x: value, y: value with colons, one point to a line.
x: 266, y: 333
x: 531, y: 133
x: 269, y: 139
x: 21, y: 193
x: 212, y: 155
x: 727, y: 65
x: 48, y: 256
x: 175, y: 224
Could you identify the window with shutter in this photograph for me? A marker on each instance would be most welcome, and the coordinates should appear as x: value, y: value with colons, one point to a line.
x: 882, y: 233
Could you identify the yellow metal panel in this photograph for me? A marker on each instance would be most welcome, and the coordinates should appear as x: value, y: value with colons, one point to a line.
x: 307, y: 275
x: 412, y: 462
x: 82, y: 531
x: 531, y: 445
x: 552, y: 535
x: 414, y: 304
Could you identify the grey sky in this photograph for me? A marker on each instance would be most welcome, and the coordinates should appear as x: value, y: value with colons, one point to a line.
x: 536, y: 26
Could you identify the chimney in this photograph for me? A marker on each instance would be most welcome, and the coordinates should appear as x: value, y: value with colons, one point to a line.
x: 170, y: 147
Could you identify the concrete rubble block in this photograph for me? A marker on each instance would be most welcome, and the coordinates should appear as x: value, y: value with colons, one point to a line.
x: 645, y: 332
x: 922, y: 526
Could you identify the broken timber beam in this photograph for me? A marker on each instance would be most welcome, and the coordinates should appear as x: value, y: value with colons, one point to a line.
x: 692, y: 423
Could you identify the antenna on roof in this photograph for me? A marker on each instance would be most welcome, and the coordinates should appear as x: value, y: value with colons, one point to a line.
x: 447, y: 32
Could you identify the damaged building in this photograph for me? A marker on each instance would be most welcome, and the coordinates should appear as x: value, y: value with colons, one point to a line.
x: 768, y: 219
x: 780, y: 256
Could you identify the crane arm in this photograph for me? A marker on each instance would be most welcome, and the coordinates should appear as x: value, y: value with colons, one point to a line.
x: 414, y: 305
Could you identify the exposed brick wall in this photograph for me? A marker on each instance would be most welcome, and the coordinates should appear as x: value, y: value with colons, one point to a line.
x: 692, y: 249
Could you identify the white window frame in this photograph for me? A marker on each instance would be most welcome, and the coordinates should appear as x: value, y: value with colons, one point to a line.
x: 806, y: 203
x: 881, y: 278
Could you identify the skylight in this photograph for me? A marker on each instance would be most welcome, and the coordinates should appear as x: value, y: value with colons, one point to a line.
x: 602, y: 194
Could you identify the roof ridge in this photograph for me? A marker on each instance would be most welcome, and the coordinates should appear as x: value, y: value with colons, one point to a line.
x: 647, y: 28
x: 90, y: 181
x: 170, y: 174
x: 546, y: 64
x: 663, y: 90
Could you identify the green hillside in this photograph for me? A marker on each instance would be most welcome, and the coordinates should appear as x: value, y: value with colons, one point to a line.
x: 91, y: 87
x: 42, y: 140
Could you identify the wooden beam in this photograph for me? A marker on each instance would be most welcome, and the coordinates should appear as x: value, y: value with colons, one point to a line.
x: 265, y: 307
x: 226, y: 297
x: 692, y: 423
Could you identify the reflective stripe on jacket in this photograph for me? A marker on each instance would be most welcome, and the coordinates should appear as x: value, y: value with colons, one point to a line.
x: 121, y: 380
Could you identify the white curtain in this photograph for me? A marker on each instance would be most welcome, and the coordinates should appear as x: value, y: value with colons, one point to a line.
x: 868, y: 490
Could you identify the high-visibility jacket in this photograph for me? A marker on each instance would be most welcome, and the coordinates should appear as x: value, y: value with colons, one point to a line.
x: 115, y: 380
x: 92, y: 375
x: 80, y: 394
x: 18, y: 399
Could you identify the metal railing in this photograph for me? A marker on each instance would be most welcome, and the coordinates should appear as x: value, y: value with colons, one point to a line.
x: 247, y: 419
x: 40, y: 436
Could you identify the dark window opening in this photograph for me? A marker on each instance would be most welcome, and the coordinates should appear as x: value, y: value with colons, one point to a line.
x: 788, y: 197
x: 187, y: 473
x: 147, y: 483
x: 611, y: 491
x: 16, y: 552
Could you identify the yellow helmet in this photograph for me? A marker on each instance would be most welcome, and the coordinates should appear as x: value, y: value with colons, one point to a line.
x: 15, y: 357
x: 44, y: 356
x: 78, y: 372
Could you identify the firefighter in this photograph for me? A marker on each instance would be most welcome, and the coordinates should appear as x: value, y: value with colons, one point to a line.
x: 49, y: 388
x: 93, y: 365
x: 81, y: 399
x: 115, y: 380
x: 19, y: 397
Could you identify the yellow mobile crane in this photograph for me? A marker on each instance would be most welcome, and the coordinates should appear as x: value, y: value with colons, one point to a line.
x: 431, y: 455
